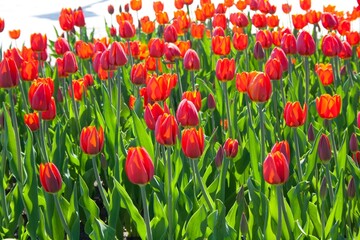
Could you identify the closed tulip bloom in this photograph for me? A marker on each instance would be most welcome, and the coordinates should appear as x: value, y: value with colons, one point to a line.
x: 345, y: 51
x: 159, y: 88
x: 259, y: 52
x: 166, y: 130
x: 193, y: 142
x: 219, y: 20
x: 191, y: 60
x: 50, y: 177
x: 353, y: 143
x: 92, y: 140
x: 243, y: 79
x: 117, y: 56
x: 353, y: 38
x: 231, y: 147
x: 343, y: 27
x: 32, y: 121
x: 79, y: 88
x: 29, y: 70
x: 260, y: 88
x: 40, y: 93
x: 194, y: 97
x: 103, y: 62
x: 136, y: 5
x: 305, y: 44
x: 311, y: 133
x: 356, y: 157
x: 211, y: 102
x: 220, y: 45
x: 156, y: 48
x: 276, y: 168
x: 61, y: 46
x: 197, y: 30
x: 265, y: 38
x: 288, y: 44
x: 70, y: 63
x: 84, y: 50
x: 172, y: 52
x: 152, y: 113
x: 286, y: 8
x: 283, y: 147
x: 218, y: 31
x: 66, y: 19
x: 325, y: 73
x: 330, y: 46
x: 279, y: 54
x: 239, y: 19
x: 329, y: 21
x: 139, y: 167
x: 9, y: 73
x: 79, y: 18
x: 162, y: 18
x: 158, y: 6
x: 294, y: 115
x: 305, y: 4
x: 2, y: 24
x: 324, y: 149
x: 225, y: 69
x: 14, y: 34
x: 272, y: 21
x: 16, y: 55
x: 186, y: 114
x: 110, y: 9
x: 328, y: 106
x: 38, y: 42
x: 273, y: 69
x: 259, y: 20
x: 358, y: 120
x: 49, y: 114
x: 88, y: 80
x: 138, y: 74
x: 126, y: 29
x: 240, y: 41
x: 299, y: 21
x: 170, y: 33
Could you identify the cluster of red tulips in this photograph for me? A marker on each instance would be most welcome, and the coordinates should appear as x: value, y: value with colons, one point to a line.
x: 187, y: 109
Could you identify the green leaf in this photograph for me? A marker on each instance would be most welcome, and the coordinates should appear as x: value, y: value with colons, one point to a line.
x: 101, y: 231
x: 197, y: 224
x: 143, y: 139
x: 254, y: 149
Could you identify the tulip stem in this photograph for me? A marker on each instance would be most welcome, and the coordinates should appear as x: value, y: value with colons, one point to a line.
x: 130, y: 55
x: 248, y: 106
x: 178, y: 76
x: 146, y: 212
x: 208, y: 199
x: 227, y: 108
x: 297, y: 150
x: 262, y: 129
x: 42, y: 139
x: 74, y: 106
x: 221, y: 185
x: 285, y: 213
x: 99, y: 184
x: 323, y: 224
x: 333, y: 145
x: 279, y: 222
x: 307, y: 79
x: 117, y: 127
x: 332, y: 60
x: 276, y: 113
x: 110, y: 87
x: 65, y: 106
x: 192, y: 80
x: 25, y: 103
x: 282, y: 92
x: 3, y: 165
x: 290, y: 69
x: 61, y: 215
x: 331, y: 191
x: 169, y: 188
x: 350, y: 72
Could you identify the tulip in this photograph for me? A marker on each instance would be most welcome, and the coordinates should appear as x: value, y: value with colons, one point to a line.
x: 194, y: 97
x: 66, y: 19
x: 162, y: 18
x: 353, y: 38
x: 136, y: 5
x: 40, y: 93
x: 358, y: 120
x: 159, y: 88
x: 305, y: 4
x: 219, y: 20
x: 139, y: 167
x: 243, y: 79
x: 110, y: 9
x: 259, y: 52
x: 330, y: 46
x: 152, y: 113
x: 187, y: 114
x: 29, y: 70
x: 38, y: 42
x: 240, y: 41
x: 225, y: 69
x: 156, y: 48
x: 311, y: 134
x: 279, y: 54
x: 273, y: 69
x: 70, y: 63
x: 313, y: 16
x: 197, y: 30
x: 284, y: 148
x: 259, y: 20
x: 260, y: 88
x: 356, y: 157
x: 170, y: 33
x: 2, y: 24
x: 50, y: 177
x: 239, y: 19
x: 272, y: 21
x: 305, y: 44
x: 294, y: 115
x: 192, y: 142
x: 351, y: 189
x: 84, y: 50
x: 276, y: 168
x: 91, y: 140
x: 345, y: 51
x: 32, y: 121
x: 231, y: 147
x: 79, y: 18
x: 325, y: 73
x: 126, y: 29
x: 9, y: 73
x: 172, y: 52
x: 265, y: 38
x: 16, y: 55
x: 79, y: 88
x: 220, y: 45
x: 353, y: 143
x: 49, y: 114
x: 117, y: 56
x: 158, y: 6
x: 324, y: 149
x: 328, y: 106
x: 286, y: 8
x: 138, y: 74
x: 329, y: 21
x: 191, y: 60
x: 299, y: 21
x: 166, y: 130
x: 14, y: 34
x: 61, y: 46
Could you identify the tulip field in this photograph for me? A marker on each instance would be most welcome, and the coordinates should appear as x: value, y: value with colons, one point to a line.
x: 209, y: 122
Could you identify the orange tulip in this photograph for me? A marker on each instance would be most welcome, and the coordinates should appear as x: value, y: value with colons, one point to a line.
x: 243, y: 79
x: 92, y: 140
x: 225, y: 69
x: 147, y: 27
x: 166, y: 130
x: 294, y: 115
x: 136, y: 4
x: 32, y: 121
x: 193, y: 142
x: 162, y: 18
x: 139, y: 167
x: 286, y: 8
x: 208, y: 9
x: 14, y: 34
x: 124, y: 16
x: 194, y: 97
x: 152, y: 113
x: 353, y: 38
x: 305, y: 4
x: 313, y: 16
x: 328, y: 106
x: 200, y: 15
x: 325, y: 73
x: 259, y: 20
x: 276, y: 168
x: 197, y: 30
x: 240, y: 41
x: 138, y: 74
x: 283, y: 147
x: 272, y: 21
x: 219, y: 20
x: 179, y: 4
x: 66, y: 19
x: 183, y: 47
x: 79, y: 88
x: 299, y: 21
x: 29, y: 70
x: 220, y: 45
x: 241, y: 5
x: 159, y: 88
x: 83, y: 49
x: 260, y: 88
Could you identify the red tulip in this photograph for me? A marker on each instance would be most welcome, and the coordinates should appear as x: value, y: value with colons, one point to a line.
x: 220, y: 45
x: 192, y: 142
x: 79, y: 18
x: 259, y: 52
x: 191, y: 60
x: 240, y: 41
x: 126, y: 29
x: 276, y: 168
x: 49, y: 114
x: 50, y: 177
x: 358, y: 120
x: 29, y: 70
x: 231, y: 147
x: 279, y: 54
x: 260, y: 88
x: 9, y: 73
x: 288, y: 44
x: 259, y: 20
x: 66, y: 19
x: 219, y: 20
x: 152, y: 113
x: 166, y: 130
x: 156, y: 47
x: 265, y: 38
x: 305, y: 4
x: 294, y: 115
x: 283, y: 147
x: 353, y: 38
x: 117, y: 56
x: 139, y: 167
x: 330, y: 45
x: 328, y: 106
x: 187, y: 114
x: 170, y: 33
x: 138, y: 74
x: 194, y: 97
x: 70, y: 63
x: 79, y: 88
x: 40, y: 93
x: 32, y: 121
x: 38, y: 42
x: 329, y: 21
x: 286, y: 8
x: 61, y: 46
x: 345, y: 50
x: 92, y: 140
x: 273, y: 69
x: 159, y: 88
x: 243, y: 79
x: 2, y: 24
x: 305, y: 44
x: 225, y: 69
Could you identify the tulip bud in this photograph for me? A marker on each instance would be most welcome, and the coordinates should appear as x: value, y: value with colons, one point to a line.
x: 324, y: 149
x: 110, y: 9
x: 240, y: 195
x: 103, y: 161
x: 358, y: 120
x: 211, y: 102
x: 244, y: 227
x: 311, y: 134
x: 259, y: 53
x: 1, y: 120
x: 231, y: 147
x: 219, y: 157
x: 353, y: 143
x: 191, y: 60
x: 351, y: 190
x: 139, y: 166
x: 50, y: 177
x: 323, y: 189
x: 356, y: 157
x: 126, y: 8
